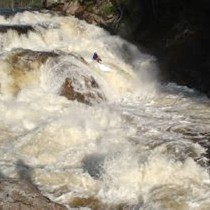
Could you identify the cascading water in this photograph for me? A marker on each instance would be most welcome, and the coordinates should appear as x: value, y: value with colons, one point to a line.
x: 132, y: 144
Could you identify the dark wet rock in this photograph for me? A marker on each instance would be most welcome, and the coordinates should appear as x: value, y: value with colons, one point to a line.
x: 27, y: 59
x: 24, y: 66
x: 20, y: 29
x: 19, y: 57
x: 177, y: 34
x: 95, y: 203
x: 21, y: 195
x: 91, y: 93
x: 91, y: 202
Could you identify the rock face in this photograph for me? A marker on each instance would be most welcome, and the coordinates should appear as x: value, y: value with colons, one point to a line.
x: 21, y: 195
x: 28, y: 59
x: 23, y: 68
x: 177, y: 34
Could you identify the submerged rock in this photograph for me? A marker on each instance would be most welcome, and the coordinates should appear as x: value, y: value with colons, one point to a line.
x: 26, y: 59
x: 91, y: 95
x: 21, y: 195
x: 23, y: 68
x: 95, y: 203
x: 21, y: 29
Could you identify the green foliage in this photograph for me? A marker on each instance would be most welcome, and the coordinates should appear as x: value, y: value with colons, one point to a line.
x: 35, y: 3
x: 20, y: 3
x: 107, y: 9
x: 89, y: 5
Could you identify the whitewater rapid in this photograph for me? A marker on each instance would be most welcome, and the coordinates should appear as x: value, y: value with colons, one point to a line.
x: 144, y: 147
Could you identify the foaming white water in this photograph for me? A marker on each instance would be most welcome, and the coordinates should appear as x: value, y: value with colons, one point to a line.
x: 137, y: 148
x: 67, y: 34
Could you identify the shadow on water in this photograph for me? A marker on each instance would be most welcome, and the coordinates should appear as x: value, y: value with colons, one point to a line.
x: 2, y: 176
x: 24, y: 171
x: 93, y: 165
x: 7, y: 12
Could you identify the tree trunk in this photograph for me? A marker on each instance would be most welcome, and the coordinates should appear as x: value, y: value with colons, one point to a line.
x: 44, y: 3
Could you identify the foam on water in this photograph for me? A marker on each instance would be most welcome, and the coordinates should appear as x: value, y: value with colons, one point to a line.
x: 138, y: 148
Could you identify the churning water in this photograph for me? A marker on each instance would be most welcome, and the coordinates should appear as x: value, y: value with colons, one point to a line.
x: 144, y: 147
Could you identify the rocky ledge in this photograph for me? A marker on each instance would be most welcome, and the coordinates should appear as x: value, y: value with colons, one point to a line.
x: 22, y: 195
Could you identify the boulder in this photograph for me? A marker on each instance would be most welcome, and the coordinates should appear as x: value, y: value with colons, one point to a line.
x: 22, y: 195
x: 23, y: 67
x: 89, y: 96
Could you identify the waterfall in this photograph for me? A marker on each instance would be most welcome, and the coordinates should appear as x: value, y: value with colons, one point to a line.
x: 97, y: 135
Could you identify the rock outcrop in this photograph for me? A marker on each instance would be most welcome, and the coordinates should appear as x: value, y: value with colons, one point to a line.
x: 91, y: 95
x: 22, y: 195
x: 27, y: 60
x: 23, y: 68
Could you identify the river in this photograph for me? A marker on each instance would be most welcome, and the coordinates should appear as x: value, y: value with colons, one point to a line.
x: 144, y: 146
